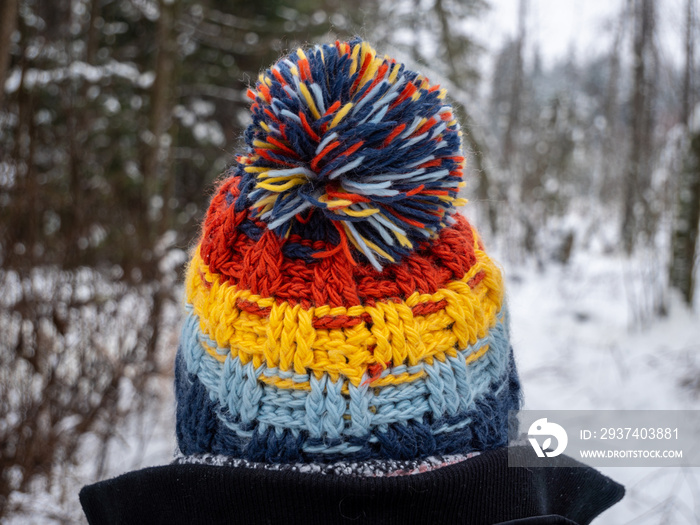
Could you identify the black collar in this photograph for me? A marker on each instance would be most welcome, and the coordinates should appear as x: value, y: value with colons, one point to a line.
x: 479, y: 490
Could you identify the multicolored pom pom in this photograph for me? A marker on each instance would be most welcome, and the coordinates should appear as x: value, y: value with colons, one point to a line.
x: 342, y: 137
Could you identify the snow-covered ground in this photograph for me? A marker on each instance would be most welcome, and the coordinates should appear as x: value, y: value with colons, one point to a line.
x: 583, y: 342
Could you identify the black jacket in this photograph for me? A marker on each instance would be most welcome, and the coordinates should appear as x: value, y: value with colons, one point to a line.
x: 479, y: 490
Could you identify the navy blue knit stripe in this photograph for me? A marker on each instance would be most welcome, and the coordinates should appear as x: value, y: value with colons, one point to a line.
x: 201, y: 429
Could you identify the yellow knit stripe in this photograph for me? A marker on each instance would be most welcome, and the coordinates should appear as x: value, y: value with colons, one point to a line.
x: 287, y: 340
x: 389, y: 380
x: 289, y: 384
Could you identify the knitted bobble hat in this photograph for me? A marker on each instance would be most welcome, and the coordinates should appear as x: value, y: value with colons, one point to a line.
x: 339, y: 308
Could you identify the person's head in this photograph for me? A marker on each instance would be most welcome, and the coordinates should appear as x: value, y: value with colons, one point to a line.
x: 339, y: 307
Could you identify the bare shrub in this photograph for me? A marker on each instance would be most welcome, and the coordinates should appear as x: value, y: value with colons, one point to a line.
x: 72, y: 343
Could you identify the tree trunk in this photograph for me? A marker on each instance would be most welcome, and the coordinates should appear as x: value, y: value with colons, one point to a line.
x: 685, y: 228
x: 160, y: 148
x: 687, y: 102
x: 475, y: 145
x: 93, y: 33
x: 514, y: 110
x: 609, y: 184
x: 8, y: 23
x: 685, y: 231
x: 637, y: 176
x: 78, y: 122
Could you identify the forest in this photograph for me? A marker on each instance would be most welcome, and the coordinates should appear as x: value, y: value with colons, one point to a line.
x: 118, y: 117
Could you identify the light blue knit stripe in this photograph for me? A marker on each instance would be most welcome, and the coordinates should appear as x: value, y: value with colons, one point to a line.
x: 447, y: 388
